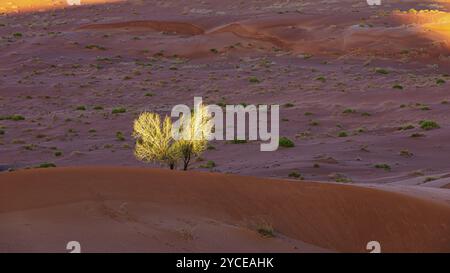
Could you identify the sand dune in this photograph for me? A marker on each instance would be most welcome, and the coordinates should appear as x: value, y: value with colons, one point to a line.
x: 129, y: 209
x: 323, y: 35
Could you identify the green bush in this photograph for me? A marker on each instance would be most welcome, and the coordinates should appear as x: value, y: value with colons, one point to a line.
x: 384, y: 166
x: 286, y: 142
x: 118, y: 110
x: 12, y: 117
x: 429, y: 125
x: 46, y: 165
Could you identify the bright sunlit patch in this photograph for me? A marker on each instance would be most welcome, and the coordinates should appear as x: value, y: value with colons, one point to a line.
x: 15, y: 6
x: 434, y: 23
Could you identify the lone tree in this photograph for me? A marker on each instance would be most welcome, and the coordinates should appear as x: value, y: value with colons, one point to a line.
x: 194, y: 133
x: 156, y: 143
x: 154, y: 140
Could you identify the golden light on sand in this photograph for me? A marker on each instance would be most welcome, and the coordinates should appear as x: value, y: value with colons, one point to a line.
x: 17, y: 6
x: 433, y: 24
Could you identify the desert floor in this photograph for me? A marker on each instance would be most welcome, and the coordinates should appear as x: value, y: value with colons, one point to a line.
x: 353, y: 82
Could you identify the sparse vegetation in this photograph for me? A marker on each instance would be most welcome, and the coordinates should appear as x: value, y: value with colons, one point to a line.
x: 12, y: 117
x: 254, y: 80
x: 296, y: 175
x: 406, y: 153
x: 265, y: 229
x: 119, y: 110
x: 397, y: 86
x: 440, y: 81
x: 208, y: 165
x: 321, y: 79
x: 81, y: 108
x: 406, y: 127
x: 349, y: 111
x: 383, y: 166
x: 46, y: 165
x: 429, y: 125
x: 286, y: 142
x: 381, y: 71
x: 120, y: 136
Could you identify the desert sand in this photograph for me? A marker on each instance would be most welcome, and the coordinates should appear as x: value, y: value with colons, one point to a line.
x: 135, y: 209
x: 353, y: 82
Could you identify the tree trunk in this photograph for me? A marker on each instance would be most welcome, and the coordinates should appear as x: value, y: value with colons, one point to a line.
x: 186, y: 161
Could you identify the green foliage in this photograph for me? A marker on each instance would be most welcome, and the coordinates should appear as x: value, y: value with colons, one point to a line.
x: 286, y: 142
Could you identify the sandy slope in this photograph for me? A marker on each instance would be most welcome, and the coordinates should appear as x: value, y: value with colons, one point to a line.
x: 130, y: 209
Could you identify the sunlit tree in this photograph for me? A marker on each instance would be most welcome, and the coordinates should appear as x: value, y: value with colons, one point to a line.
x: 194, y: 134
x: 154, y: 140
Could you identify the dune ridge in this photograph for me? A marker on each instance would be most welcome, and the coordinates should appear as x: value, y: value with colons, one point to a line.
x: 329, y: 216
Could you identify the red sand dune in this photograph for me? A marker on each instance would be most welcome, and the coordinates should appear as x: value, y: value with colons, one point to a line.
x: 130, y: 209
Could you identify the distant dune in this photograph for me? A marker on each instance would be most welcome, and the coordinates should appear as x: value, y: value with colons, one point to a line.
x: 131, y: 209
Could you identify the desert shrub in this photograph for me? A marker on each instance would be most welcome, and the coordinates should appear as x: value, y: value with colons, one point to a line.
x: 384, y: 166
x: 296, y: 175
x: 265, y: 229
x: 382, y: 71
x: 342, y: 134
x: 12, y: 117
x: 440, y: 81
x: 209, y: 165
x: 406, y: 153
x: 406, y: 127
x: 313, y: 123
x: 429, y: 125
x: 321, y: 79
x: 254, y: 80
x: 397, y: 86
x: 349, y: 111
x: 155, y: 141
x: 118, y: 110
x: 46, y: 165
x: 286, y: 142
x: 120, y: 136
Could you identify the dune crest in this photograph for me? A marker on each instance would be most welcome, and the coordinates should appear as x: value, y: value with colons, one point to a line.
x: 329, y: 216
